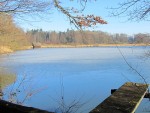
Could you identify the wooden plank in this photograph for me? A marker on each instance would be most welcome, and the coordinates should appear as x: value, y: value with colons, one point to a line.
x: 125, y: 100
x: 147, y: 95
x: 7, y: 107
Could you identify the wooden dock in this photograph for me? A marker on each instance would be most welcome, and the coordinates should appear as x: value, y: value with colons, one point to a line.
x: 124, y: 100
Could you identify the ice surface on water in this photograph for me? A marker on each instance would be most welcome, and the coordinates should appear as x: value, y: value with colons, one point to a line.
x: 87, y: 73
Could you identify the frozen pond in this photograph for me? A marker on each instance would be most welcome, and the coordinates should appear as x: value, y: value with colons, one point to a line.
x: 56, y: 78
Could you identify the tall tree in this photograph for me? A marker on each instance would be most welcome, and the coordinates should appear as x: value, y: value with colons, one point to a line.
x: 10, y: 34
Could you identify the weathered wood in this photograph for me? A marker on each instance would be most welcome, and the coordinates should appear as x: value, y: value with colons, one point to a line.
x: 147, y: 95
x: 125, y: 100
x: 7, y: 107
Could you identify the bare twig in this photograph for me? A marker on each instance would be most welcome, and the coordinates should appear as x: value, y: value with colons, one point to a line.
x: 134, y: 9
x: 80, y: 21
x: 130, y: 66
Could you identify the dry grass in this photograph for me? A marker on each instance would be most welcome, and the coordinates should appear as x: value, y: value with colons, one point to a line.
x: 5, y: 49
x: 6, y: 79
x: 85, y: 45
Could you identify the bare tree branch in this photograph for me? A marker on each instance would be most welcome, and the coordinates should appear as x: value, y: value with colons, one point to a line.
x: 26, y: 7
x: 82, y: 20
x: 23, y: 6
x: 135, y: 10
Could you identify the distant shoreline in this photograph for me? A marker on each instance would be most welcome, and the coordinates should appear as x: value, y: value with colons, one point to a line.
x: 7, y: 50
x: 84, y: 45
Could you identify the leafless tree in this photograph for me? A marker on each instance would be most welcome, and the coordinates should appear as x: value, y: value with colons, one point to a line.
x: 135, y: 10
x: 24, y: 6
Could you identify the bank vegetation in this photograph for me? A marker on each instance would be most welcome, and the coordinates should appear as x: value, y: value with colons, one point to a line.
x: 13, y: 38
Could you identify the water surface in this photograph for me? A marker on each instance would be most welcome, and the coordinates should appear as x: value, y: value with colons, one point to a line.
x: 56, y: 76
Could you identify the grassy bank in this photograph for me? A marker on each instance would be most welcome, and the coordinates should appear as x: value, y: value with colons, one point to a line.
x: 7, y: 49
x: 6, y: 79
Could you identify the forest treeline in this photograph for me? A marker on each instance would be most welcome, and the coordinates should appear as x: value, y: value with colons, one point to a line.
x: 14, y: 38
x: 85, y: 37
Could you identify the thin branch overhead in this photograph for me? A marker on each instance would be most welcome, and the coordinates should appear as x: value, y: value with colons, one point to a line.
x: 23, y: 6
x: 79, y: 20
x: 135, y: 10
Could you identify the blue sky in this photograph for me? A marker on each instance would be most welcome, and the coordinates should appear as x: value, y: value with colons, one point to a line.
x: 59, y: 22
